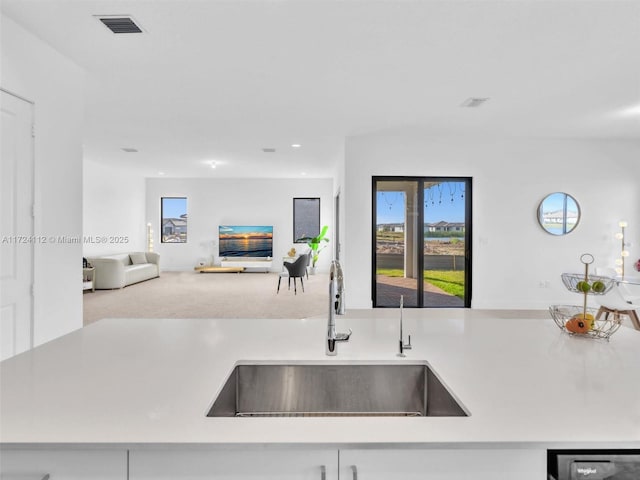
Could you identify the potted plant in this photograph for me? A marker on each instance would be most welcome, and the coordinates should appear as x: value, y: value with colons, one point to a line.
x: 317, y: 244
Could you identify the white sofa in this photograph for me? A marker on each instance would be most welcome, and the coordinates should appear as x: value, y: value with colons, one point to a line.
x: 122, y: 269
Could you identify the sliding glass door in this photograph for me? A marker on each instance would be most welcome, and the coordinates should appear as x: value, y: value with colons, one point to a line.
x: 445, y: 242
x: 421, y: 241
x: 395, y: 264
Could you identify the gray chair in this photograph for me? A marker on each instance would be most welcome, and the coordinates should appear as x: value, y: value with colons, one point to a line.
x: 294, y: 270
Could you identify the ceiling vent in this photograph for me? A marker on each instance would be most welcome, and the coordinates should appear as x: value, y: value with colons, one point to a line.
x: 129, y: 150
x: 269, y: 150
x: 474, y: 102
x: 120, y: 23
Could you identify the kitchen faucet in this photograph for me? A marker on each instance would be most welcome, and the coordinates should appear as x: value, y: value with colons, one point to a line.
x: 336, y: 307
x: 403, y: 346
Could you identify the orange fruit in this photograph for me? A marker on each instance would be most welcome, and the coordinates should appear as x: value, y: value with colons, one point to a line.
x: 577, y: 325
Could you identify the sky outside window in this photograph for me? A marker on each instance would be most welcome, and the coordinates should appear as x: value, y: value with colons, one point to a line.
x: 445, y: 203
x: 174, y: 207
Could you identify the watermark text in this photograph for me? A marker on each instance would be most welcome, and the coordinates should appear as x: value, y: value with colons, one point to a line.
x: 62, y: 239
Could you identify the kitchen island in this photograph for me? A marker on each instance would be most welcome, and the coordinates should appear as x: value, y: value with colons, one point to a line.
x: 145, y: 386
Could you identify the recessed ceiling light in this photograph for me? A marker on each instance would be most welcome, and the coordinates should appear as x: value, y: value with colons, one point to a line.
x: 269, y: 150
x: 295, y: 145
x: 213, y: 164
x: 129, y: 150
x: 303, y: 174
x: 474, y: 102
x: 160, y: 173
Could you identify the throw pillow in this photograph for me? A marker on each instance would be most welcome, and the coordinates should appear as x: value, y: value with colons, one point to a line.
x: 138, y: 258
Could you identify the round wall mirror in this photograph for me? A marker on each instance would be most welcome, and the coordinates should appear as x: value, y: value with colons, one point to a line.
x: 559, y: 213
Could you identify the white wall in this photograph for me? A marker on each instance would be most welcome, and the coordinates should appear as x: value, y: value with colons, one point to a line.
x: 33, y: 70
x: 338, y: 189
x: 511, y: 253
x: 113, y: 210
x: 214, y: 202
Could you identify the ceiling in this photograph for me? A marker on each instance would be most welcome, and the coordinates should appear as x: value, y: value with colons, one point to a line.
x: 218, y: 81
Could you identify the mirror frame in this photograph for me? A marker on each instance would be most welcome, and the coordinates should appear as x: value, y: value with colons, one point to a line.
x: 563, y: 208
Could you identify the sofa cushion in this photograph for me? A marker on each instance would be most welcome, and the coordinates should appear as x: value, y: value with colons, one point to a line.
x: 138, y: 258
x: 121, y: 257
x: 138, y: 273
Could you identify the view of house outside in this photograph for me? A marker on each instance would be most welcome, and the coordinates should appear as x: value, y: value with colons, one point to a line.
x: 174, y: 219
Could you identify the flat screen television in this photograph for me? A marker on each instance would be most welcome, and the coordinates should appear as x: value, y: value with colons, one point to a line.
x: 245, y: 241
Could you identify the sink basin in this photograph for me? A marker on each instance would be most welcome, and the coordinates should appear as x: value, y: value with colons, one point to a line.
x: 334, y: 390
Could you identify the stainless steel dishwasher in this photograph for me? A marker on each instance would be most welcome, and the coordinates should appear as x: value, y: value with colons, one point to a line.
x: 593, y: 464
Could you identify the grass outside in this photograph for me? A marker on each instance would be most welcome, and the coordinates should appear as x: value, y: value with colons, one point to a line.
x: 390, y: 237
x: 399, y: 236
x: 450, y: 281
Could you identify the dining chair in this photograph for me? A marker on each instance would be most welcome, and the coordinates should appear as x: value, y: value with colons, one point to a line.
x: 294, y: 270
x: 613, y: 303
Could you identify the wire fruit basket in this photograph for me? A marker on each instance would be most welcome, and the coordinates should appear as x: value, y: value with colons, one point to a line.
x: 600, y: 327
x: 589, y: 284
x: 582, y: 320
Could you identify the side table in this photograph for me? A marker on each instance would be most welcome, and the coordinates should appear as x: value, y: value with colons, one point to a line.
x: 88, y: 279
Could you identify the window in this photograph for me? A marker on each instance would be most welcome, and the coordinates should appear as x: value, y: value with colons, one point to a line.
x: 306, y: 219
x: 173, y: 213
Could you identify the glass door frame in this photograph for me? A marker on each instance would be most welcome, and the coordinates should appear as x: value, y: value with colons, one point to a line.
x: 468, y: 181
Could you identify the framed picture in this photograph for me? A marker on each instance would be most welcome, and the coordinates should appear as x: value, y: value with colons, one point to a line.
x: 173, y: 212
x: 306, y: 219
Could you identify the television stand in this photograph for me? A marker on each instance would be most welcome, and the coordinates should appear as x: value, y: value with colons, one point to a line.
x: 247, y: 263
x: 219, y: 269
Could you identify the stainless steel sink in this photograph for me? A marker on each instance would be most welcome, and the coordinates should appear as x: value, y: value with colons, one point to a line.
x: 331, y: 390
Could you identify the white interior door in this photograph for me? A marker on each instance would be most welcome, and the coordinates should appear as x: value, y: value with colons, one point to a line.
x: 16, y: 226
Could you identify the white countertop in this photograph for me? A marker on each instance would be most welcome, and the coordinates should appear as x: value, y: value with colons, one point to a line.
x: 150, y: 382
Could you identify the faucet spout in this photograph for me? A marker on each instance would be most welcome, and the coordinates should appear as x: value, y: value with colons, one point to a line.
x: 403, y: 346
x: 336, y: 307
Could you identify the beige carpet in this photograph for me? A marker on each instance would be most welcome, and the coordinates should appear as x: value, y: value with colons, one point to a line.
x: 228, y: 295
x: 210, y: 295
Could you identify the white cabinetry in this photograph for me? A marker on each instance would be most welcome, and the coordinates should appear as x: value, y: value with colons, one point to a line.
x: 437, y: 464
x: 237, y: 464
x: 274, y: 464
x: 63, y: 464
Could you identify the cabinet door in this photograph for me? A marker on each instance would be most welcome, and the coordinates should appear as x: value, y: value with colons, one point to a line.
x: 438, y: 464
x: 240, y: 464
x: 63, y: 464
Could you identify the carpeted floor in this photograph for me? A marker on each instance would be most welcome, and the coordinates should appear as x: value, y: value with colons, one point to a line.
x: 224, y: 295
x: 210, y: 295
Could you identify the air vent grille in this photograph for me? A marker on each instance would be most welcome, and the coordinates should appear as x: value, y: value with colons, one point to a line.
x: 120, y: 24
x: 474, y: 102
x: 269, y: 150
